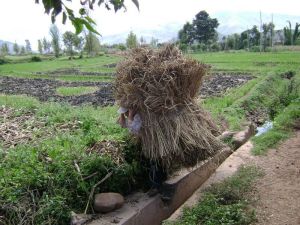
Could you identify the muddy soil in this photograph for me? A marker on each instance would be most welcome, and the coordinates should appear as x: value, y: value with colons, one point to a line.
x: 45, y: 89
x: 218, y: 83
x: 279, y: 190
x: 73, y: 71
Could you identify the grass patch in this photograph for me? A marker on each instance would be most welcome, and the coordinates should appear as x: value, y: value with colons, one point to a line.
x: 251, y: 61
x: 283, y: 126
x: 258, y: 100
x: 69, y: 91
x: 224, y: 203
x: 40, y: 182
x: 226, y: 106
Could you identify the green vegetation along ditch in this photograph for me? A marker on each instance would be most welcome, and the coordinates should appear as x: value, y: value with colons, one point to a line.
x: 41, y: 175
x: 224, y: 203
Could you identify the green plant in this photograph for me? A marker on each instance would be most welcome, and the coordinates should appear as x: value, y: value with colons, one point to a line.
x: 283, y: 125
x: 70, y: 91
x: 36, y: 59
x: 224, y: 203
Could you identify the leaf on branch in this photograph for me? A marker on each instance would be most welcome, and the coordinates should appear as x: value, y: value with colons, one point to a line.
x: 107, y: 6
x: 83, y: 2
x: 100, y: 2
x: 136, y: 2
x: 64, y: 18
x: 82, y: 11
x: 53, y: 15
x: 77, y: 24
x: 89, y: 26
x: 90, y: 20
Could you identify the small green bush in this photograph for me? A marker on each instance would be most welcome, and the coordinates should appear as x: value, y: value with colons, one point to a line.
x: 36, y: 59
x: 255, y: 49
x: 3, y: 61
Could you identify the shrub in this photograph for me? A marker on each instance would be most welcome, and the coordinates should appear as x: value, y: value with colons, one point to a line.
x: 36, y: 59
x: 255, y: 49
x: 3, y: 61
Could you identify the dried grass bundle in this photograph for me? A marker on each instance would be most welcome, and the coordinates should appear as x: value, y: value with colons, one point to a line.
x: 161, y: 85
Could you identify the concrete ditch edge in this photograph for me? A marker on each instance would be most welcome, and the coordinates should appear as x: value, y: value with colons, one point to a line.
x: 140, y: 209
x: 229, y: 167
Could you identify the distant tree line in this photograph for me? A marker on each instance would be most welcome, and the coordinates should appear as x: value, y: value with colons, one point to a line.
x: 201, y: 35
x: 68, y: 43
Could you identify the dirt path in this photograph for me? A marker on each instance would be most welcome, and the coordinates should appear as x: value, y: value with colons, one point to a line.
x: 279, y: 190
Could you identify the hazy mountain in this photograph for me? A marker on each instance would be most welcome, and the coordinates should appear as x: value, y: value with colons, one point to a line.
x: 230, y: 22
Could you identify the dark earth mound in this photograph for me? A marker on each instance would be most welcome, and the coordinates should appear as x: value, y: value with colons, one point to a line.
x: 218, y: 83
x: 73, y: 71
x: 45, y: 89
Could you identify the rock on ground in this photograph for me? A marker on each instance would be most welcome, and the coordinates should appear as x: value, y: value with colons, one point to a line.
x: 107, y: 202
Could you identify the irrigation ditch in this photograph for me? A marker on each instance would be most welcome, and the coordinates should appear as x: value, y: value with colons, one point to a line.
x: 269, y: 97
x: 140, y: 208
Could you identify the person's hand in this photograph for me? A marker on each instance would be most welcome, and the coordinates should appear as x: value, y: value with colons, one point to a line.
x: 122, y: 120
x: 131, y: 114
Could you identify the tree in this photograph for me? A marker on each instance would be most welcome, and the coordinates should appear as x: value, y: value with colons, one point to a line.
x: 22, y: 51
x: 4, y: 49
x: 153, y: 42
x: 46, y: 45
x: 291, y: 36
x: 268, y: 30
x: 205, y: 27
x: 55, y: 7
x: 28, y: 46
x: 244, y: 39
x: 16, y: 48
x: 186, y: 34
x: 92, y: 44
x: 40, y: 46
x: 142, y: 41
x: 254, y: 36
x: 54, y: 32
x: 79, y: 43
x: 71, y: 40
x: 131, y: 41
x: 202, y: 30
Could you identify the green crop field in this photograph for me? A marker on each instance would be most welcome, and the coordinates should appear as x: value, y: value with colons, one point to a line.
x: 49, y: 149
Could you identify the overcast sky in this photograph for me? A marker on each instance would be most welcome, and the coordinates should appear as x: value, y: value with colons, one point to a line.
x: 23, y: 19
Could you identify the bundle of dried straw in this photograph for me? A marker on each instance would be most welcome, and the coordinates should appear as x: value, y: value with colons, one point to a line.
x: 162, y: 85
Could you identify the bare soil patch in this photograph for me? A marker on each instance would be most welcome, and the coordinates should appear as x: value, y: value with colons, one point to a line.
x: 74, y: 71
x: 279, y: 190
x: 218, y: 83
x: 45, y: 90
